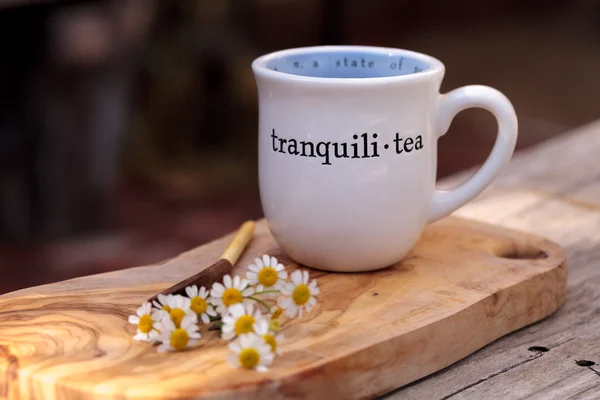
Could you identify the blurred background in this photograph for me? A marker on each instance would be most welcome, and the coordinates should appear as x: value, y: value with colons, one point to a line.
x: 128, y: 127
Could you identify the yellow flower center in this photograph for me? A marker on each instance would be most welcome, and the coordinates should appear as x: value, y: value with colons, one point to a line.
x: 166, y: 308
x: 231, y: 296
x: 267, y: 276
x: 301, y: 294
x: 277, y: 313
x: 145, y: 324
x: 249, y: 358
x: 274, y: 325
x: 179, y: 339
x: 244, y: 324
x: 198, y: 305
x: 177, y: 315
x: 270, y: 340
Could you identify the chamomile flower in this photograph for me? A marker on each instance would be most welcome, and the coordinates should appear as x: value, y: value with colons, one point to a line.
x: 268, y: 273
x: 175, y: 338
x: 239, y: 320
x: 262, y: 329
x: 274, y: 324
x: 162, y: 303
x: 230, y: 292
x: 301, y: 294
x: 199, y: 304
x: 147, y: 321
x: 179, y: 307
x: 250, y: 351
x: 276, y: 313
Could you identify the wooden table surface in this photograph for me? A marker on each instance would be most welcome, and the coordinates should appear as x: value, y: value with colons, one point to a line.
x: 552, y: 190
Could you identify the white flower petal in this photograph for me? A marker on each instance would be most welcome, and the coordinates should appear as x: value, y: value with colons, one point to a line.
x: 178, y: 301
x: 217, y: 288
x: 235, y: 346
x: 261, y: 368
x: 246, y: 340
x: 227, y: 335
x: 205, y: 318
x: 268, y: 358
x: 190, y: 291
x: 134, y: 319
x: 253, y: 268
x: 167, y: 325
x: 192, y: 329
x: 194, y: 335
x: 291, y: 310
x: 259, y: 263
x: 140, y: 311
x: 227, y: 281
x: 163, y: 347
x: 283, y: 302
x: 297, y: 277
x: 236, y: 281
x: 261, y: 327
x: 251, y: 275
x: 187, y: 303
x: 237, y: 310
x: 142, y: 337
x: 170, y: 301
x: 157, y: 315
x: 274, y: 263
x: 266, y: 260
x: 305, y: 277
x: 188, y: 321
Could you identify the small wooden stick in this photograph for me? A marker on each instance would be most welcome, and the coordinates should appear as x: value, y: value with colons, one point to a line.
x: 219, y: 269
x: 241, y: 239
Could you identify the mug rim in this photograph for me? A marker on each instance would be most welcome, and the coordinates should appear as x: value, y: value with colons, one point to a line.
x: 259, y: 65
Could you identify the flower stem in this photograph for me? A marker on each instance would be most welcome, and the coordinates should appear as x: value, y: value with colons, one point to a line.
x: 267, y: 291
x: 216, y: 326
x: 260, y: 302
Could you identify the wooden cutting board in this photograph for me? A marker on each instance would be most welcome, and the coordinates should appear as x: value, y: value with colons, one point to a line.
x: 464, y: 285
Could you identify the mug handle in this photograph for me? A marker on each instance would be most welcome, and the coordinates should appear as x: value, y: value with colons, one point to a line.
x: 444, y: 202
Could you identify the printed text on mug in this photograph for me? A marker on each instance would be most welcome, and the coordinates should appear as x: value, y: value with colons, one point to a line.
x: 364, y: 145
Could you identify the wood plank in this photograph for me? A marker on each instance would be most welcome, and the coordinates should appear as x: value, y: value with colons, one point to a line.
x: 463, y: 286
x: 552, y: 190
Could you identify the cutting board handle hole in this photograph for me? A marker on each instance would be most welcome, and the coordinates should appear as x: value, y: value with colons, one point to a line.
x: 523, y: 253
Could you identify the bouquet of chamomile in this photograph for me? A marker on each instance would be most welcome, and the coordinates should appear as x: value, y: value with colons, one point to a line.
x: 245, y: 310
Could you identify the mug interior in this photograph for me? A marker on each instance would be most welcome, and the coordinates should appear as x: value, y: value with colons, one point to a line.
x: 347, y: 64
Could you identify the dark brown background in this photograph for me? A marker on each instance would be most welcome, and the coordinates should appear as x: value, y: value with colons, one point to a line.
x: 128, y: 127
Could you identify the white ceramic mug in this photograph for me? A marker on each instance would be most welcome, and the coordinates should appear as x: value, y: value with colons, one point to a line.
x: 348, y: 151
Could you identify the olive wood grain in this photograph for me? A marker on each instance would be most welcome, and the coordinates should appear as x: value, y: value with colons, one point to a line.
x: 464, y: 285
